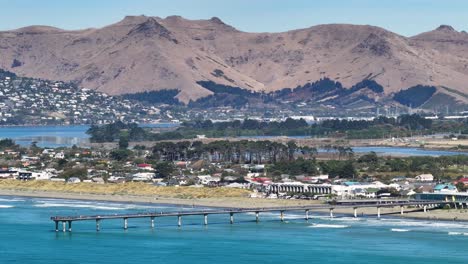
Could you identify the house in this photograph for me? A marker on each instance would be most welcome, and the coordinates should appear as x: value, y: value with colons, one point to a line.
x: 5, y: 174
x: 425, y: 178
x: 59, y: 155
x: 445, y: 188
x: 99, y: 180
x: 116, y: 179
x: 208, y: 179
x: 73, y: 180
x: 463, y: 180
x: 143, y: 176
x: 145, y: 166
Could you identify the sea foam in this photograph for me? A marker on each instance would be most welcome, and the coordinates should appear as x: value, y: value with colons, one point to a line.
x: 399, y: 230
x: 328, y: 226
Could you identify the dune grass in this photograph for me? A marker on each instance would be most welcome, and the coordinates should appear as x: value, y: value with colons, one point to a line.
x: 130, y: 188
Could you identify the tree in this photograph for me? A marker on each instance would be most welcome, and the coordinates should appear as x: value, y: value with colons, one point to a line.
x: 164, y: 169
x: 120, y: 154
x: 7, y: 143
x: 123, y: 142
x: 461, y: 187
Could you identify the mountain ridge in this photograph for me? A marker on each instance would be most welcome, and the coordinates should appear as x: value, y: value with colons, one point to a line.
x: 141, y: 53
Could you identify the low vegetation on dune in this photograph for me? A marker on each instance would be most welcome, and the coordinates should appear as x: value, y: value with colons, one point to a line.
x: 131, y: 188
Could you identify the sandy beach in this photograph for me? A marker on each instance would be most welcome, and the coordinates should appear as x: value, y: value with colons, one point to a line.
x: 227, y: 202
x: 244, y: 202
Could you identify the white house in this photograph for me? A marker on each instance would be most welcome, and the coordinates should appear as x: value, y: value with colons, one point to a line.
x: 143, y: 176
x: 59, y: 155
x: 74, y: 180
x: 425, y: 178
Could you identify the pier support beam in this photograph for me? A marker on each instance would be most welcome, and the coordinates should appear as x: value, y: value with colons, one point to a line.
x: 179, y: 220
x: 402, y: 210
x: 231, y: 218
x: 152, y: 222
x: 98, y: 224
x: 282, y: 216
x: 425, y: 208
x: 56, y: 226
x: 125, y: 223
x: 64, y: 225
x: 331, y: 212
x: 257, y: 218
x: 69, y: 226
x: 355, y: 212
x: 378, y: 212
x: 205, y: 216
x: 307, y: 215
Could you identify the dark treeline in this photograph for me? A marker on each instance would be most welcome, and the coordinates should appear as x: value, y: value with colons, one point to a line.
x: 238, y: 152
x: 167, y: 96
x: 405, y: 121
x: 247, y: 124
x: 415, y: 96
x: 249, y: 127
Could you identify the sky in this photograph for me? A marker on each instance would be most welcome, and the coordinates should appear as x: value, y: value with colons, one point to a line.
x: 405, y: 17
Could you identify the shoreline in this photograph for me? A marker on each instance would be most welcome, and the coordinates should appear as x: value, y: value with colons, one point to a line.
x: 226, y: 202
x: 238, y: 202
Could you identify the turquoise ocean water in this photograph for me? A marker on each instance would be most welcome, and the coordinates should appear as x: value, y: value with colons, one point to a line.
x: 27, y: 236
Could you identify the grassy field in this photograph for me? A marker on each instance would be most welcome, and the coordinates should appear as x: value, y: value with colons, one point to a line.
x: 131, y: 188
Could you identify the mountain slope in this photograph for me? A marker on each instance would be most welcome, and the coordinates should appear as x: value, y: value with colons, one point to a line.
x: 143, y: 53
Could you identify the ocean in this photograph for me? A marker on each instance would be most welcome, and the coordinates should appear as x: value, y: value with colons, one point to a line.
x: 27, y: 235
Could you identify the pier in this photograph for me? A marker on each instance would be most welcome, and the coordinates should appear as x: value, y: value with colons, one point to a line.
x: 67, y: 221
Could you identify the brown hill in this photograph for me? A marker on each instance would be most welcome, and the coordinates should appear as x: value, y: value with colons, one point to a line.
x: 143, y: 53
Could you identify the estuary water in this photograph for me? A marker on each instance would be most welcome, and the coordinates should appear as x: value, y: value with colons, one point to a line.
x: 67, y: 136
x: 56, y: 136
x: 27, y: 236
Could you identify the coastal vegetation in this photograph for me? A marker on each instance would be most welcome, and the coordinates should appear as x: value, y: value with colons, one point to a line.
x: 130, y: 188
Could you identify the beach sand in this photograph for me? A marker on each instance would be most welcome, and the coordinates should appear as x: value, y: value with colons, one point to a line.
x: 243, y: 202
x: 227, y: 202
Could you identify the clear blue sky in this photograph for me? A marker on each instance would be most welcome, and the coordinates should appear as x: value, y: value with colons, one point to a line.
x: 406, y: 17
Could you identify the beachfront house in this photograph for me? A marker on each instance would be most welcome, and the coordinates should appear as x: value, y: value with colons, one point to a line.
x: 445, y: 188
x: 73, y: 180
x: 425, y: 178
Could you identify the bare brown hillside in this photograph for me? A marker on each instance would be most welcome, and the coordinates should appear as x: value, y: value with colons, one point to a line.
x: 143, y: 53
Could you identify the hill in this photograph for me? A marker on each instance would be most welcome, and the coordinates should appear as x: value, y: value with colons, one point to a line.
x: 143, y: 53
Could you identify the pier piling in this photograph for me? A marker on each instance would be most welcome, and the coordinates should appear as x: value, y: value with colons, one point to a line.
x: 205, y: 216
x: 331, y: 212
x: 152, y: 222
x: 378, y: 212
x: 56, y: 226
x: 231, y: 218
x: 69, y: 226
x: 64, y: 226
x: 355, y: 212
x: 125, y: 223
x: 98, y: 224
x: 402, y: 210
x: 307, y: 215
x: 179, y: 220
x: 282, y: 216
